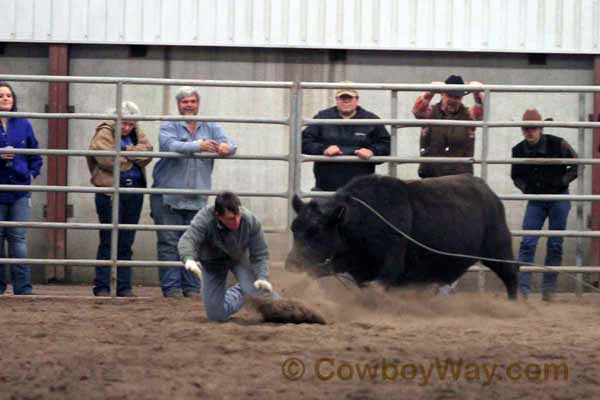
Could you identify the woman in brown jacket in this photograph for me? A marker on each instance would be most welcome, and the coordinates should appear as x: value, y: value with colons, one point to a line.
x: 130, y: 205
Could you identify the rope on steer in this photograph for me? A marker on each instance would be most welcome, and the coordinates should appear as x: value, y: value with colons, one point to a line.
x: 445, y: 253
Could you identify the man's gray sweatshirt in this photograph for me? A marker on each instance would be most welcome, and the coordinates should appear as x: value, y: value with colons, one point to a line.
x: 215, y: 246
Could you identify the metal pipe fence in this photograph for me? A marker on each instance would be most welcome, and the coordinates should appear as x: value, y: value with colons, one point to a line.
x: 407, y: 123
x: 295, y: 121
x: 112, y: 117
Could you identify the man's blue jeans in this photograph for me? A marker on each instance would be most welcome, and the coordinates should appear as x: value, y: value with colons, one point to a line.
x: 130, y: 208
x: 173, y: 280
x: 20, y: 210
x: 535, y: 215
x: 219, y: 302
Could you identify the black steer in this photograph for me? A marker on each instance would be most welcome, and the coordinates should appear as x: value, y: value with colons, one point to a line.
x: 457, y: 214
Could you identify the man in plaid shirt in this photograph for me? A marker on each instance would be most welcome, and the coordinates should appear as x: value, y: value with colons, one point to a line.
x: 447, y: 141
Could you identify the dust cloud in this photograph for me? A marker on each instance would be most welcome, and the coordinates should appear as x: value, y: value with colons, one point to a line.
x: 340, y: 300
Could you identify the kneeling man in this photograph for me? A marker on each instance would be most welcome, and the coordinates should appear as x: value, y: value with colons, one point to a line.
x: 226, y: 237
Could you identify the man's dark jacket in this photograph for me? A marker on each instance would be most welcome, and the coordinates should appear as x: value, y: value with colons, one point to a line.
x: 543, y: 179
x: 316, y: 138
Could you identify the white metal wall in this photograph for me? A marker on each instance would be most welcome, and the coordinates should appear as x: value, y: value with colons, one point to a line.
x: 547, y: 26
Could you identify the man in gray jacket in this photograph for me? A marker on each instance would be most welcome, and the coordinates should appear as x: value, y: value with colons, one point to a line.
x: 226, y: 237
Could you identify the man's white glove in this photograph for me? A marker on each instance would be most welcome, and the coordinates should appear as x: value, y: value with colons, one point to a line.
x: 262, y: 284
x: 192, y: 266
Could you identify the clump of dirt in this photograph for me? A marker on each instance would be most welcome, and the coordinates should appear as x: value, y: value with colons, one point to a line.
x: 285, y: 311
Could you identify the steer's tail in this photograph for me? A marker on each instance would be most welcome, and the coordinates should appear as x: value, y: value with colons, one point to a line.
x: 498, y: 245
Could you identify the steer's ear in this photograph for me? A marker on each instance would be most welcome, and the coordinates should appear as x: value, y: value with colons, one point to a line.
x: 297, y: 204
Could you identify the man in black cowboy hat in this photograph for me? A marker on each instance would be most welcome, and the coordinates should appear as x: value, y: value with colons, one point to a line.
x: 447, y: 141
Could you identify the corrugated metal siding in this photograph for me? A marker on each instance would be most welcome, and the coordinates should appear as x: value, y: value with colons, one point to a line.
x: 548, y: 26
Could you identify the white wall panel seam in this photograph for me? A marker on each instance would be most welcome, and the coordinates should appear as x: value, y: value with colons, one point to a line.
x: 559, y: 23
x: 394, y: 21
x: 450, y: 24
x: 13, y: 32
x: 357, y: 22
x: 33, y: 21
x: 339, y: 18
x: 595, y: 24
x: 414, y: 15
x: 376, y: 18
x: 577, y: 23
x: 522, y: 23
x: 268, y: 13
x: 467, y: 25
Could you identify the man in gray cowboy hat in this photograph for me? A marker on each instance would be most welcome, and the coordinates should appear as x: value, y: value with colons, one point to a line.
x: 447, y: 141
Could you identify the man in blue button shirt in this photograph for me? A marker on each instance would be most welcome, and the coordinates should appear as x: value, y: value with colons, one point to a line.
x: 185, y: 137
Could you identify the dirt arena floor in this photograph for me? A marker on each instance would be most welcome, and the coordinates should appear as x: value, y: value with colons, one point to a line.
x: 377, y: 345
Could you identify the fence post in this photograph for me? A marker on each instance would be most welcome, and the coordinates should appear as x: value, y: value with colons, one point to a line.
x: 58, y: 166
x: 484, y: 165
x: 298, y: 139
x: 114, y: 237
x: 393, y: 167
x: 293, y: 151
x: 580, y: 189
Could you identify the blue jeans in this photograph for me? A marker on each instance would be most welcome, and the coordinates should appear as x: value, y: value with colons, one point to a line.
x: 535, y: 215
x: 219, y: 302
x: 20, y: 210
x: 173, y: 280
x: 130, y: 208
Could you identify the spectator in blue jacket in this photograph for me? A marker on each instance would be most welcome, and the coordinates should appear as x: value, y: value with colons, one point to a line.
x: 363, y: 141
x: 185, y: 137
x: 15, y: 169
